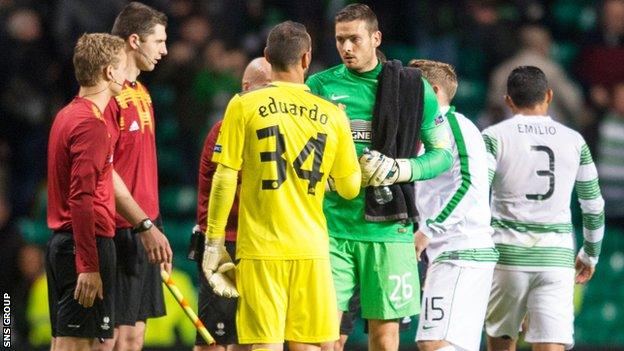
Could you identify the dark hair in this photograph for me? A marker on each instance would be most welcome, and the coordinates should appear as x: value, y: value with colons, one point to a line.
x: 137, y: 18
x: 527, y: 86
x: 358, y: 12
x: 286, y: 43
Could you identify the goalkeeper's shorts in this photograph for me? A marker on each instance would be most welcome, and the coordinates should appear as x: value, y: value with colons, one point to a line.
x: 282, y: 300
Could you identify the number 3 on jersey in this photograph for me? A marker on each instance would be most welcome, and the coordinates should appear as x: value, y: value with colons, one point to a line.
x: 314, y: 147
x: 550, y: 173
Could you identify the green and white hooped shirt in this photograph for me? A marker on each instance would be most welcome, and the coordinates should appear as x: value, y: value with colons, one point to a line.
x: 454, y: 207
x: 534, y: 165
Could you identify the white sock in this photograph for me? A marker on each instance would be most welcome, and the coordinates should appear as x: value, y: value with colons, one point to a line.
x: 447, y: 348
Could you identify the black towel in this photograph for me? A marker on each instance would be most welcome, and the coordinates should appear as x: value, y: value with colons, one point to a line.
x: 397, y: 118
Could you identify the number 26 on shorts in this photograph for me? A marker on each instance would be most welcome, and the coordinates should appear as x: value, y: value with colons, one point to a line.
x: 403, y: 290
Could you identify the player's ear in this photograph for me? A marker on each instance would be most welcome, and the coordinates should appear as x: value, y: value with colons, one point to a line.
x: 549, y: 95
x: 266, y: 55
x: 134, y: 41
x: 108, y: 73
x: 376, y: 38
x: 306, y: 59
x: 509, y: 102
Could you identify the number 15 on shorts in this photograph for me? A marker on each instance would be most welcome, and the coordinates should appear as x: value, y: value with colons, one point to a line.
x: 433, y: 308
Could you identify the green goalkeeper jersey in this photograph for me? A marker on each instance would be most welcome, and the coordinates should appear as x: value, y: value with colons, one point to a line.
x: 356, y: 92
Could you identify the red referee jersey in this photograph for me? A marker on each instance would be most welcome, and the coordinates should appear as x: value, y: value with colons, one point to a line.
x: 130, y: 118
x: 80, y: 181
x: 207, y: 170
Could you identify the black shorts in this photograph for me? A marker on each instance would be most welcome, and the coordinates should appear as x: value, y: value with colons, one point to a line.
x: 138, y: 283
x: 67, y: 316
x: 216, y: 312
x: 347, y: 323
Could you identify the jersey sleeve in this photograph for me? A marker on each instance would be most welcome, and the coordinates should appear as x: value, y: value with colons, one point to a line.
x: 110, y: 115
x: 491, y: 146
x: 228, y: 149
x: 207, y: 169
x: 88, y: 151
x: 345, y: 162
x: 592, y: 204
x: 314, y: 83
x: 435, y: 138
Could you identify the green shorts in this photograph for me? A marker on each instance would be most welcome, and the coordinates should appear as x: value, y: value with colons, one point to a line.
x: 387, y: 274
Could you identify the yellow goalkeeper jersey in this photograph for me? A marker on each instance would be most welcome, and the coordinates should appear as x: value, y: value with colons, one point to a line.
x: 286, y: 142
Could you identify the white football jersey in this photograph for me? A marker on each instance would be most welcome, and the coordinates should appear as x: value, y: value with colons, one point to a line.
x: 535, y: 163
x: 454, y: 210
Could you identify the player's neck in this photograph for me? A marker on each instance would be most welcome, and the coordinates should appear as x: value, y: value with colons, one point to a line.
x: 99, y: 95
x: 370, y: 66
x: 291, y: 76
x: 132, y: 70
x: 534, y: 111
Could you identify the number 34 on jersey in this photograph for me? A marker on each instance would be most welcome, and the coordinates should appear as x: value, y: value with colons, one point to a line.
x: 284, y: 148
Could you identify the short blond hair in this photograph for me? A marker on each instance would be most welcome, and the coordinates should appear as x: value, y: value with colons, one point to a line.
x: 438, y: 73
x: 92, y: 54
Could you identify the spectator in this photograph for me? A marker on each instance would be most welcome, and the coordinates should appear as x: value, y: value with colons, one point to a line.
x: 603, y: 51
x: 611, y: 158
x: 611, y: 31
x: 600, y: 61
x: 482, y: 26
x: 21, y: 264
x: 25, y: 96
x: 535, y: 48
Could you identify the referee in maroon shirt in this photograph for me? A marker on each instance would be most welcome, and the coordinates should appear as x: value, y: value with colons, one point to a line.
x: 138, y: 233
x: 80, y: 255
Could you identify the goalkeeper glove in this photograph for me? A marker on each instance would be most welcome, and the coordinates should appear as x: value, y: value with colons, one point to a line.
x: 380, y: 170
x: 218, y: 268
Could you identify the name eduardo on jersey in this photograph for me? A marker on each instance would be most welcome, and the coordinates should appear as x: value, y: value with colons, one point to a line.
x: 275, y: 107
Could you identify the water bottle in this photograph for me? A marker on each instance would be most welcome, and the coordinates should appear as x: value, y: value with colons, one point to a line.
x: 381, y: 194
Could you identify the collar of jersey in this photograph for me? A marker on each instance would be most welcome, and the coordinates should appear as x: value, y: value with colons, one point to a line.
x: 289, y: 84
x: 444, y: 110
x: 532, y: 116
x: 372, y: 74
x: 83, y: 100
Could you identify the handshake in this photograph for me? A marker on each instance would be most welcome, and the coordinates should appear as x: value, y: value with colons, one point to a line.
x: 381, y: 170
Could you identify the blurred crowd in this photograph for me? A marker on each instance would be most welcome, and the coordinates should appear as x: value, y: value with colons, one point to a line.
x: 578, y: 43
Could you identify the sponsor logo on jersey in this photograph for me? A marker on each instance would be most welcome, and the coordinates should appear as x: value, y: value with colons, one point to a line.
x: 439, y: 120
x: 361, y: 130
x: 335, y: 97
x: 402, y: 304
x: 134, y: 126
x: 217, y: 148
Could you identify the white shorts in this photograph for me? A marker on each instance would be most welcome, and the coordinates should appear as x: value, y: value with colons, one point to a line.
x: 454, y: 303
x: 546, y: 298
